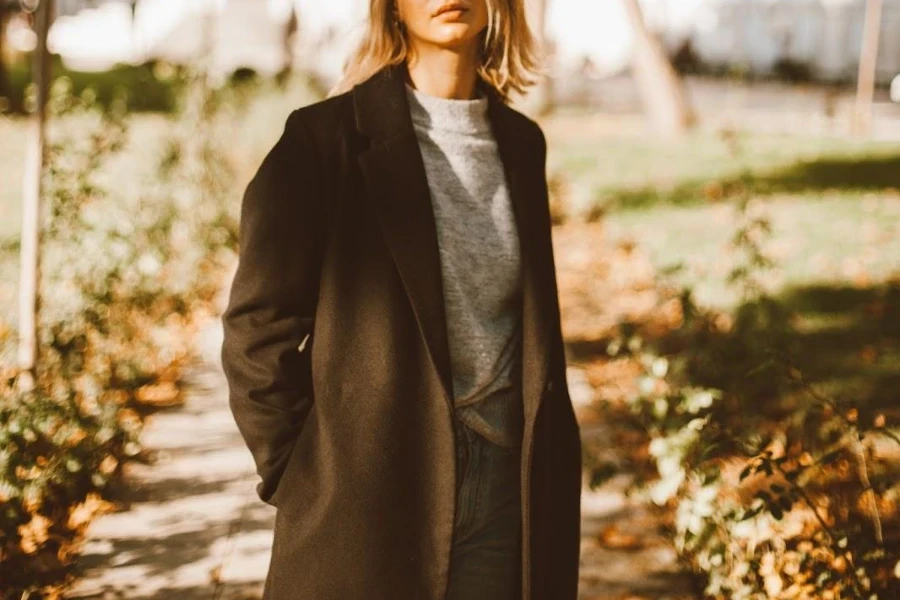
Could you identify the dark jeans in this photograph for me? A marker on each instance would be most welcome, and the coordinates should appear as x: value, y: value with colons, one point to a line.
x: 485, y: 563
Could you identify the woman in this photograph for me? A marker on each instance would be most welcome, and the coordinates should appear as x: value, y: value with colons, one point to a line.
x: 392, y: 339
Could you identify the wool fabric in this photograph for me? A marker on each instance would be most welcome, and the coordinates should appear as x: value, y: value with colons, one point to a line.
x: 480, y: 261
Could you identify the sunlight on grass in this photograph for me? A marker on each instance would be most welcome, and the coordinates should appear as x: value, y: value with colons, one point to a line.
x: 834, y: 237
x: 834, y: 204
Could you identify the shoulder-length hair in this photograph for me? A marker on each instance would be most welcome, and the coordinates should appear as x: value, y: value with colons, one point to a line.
x: 508, y: 55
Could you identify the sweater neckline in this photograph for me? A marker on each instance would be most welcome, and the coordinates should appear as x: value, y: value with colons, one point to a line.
x: 448, y: 114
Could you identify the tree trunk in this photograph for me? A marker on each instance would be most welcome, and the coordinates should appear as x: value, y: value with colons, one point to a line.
x: 29, y: 292
x: 288, y: 47
x: 5, y: 85
x: 868, y: 61
x: 542, y: 93
x: 658, y: 83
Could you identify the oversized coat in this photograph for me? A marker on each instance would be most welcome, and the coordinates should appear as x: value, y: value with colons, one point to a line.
x: 337, y: 361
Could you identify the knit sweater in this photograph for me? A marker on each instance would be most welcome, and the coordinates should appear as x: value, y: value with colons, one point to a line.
x: 479, y: 251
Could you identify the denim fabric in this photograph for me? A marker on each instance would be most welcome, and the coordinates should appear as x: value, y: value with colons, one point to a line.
x: 498, y: 417
x: 485, y: 561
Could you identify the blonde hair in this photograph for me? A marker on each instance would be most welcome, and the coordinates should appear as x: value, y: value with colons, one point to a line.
x: 508, y: 56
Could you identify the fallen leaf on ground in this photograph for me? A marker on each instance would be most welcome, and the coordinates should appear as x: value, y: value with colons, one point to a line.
x: 611, y: 537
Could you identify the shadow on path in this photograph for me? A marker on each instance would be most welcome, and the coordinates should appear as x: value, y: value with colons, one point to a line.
x: 192, y: 528
x: 852, y: 173
x: 624, y: 556
x: 191, y: 525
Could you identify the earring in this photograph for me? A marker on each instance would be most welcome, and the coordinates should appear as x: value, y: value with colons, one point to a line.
x: 398, y: 24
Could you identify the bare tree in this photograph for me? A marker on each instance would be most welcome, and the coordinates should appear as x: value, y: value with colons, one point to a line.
x: 868, y: 60
x: 29, y: 293
x: 658, y: 83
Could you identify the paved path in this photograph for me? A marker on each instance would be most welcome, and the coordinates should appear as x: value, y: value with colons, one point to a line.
x: 195, y: 529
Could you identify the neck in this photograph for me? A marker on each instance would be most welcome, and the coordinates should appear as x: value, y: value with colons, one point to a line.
x: 444, y: 72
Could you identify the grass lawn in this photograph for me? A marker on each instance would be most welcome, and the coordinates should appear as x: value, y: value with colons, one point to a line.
x: 834, y: 204
x: 622, y: 166
x: 834, y: 208
x: 845, y: 238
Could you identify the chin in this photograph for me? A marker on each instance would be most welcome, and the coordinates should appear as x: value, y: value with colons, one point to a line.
x: 453, y: 35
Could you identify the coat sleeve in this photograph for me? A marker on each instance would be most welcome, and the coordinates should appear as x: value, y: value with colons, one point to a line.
x: 272, y: 302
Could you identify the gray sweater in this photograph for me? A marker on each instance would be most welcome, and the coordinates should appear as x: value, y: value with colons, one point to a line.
x: 479, y: 251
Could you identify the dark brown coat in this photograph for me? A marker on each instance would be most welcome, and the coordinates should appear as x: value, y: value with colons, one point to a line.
x: 338, y: 365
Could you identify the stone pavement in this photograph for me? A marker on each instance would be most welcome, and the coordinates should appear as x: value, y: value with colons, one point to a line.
x: 194, y: 528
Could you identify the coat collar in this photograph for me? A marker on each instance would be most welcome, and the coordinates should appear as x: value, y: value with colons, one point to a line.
x: 397, y: 184
x: 382, y: 109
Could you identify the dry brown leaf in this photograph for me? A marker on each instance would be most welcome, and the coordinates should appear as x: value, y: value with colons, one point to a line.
x: 34, y: 533
x: 611, y: 537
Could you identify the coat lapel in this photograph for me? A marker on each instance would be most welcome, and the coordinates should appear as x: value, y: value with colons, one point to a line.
x: 527, y: 188
x: 395, y: 177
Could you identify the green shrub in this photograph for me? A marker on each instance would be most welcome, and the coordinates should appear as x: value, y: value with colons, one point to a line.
x: 61, y: 446
x: 147, y: 87
x: 778, y: 490
x: 125, y: 277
